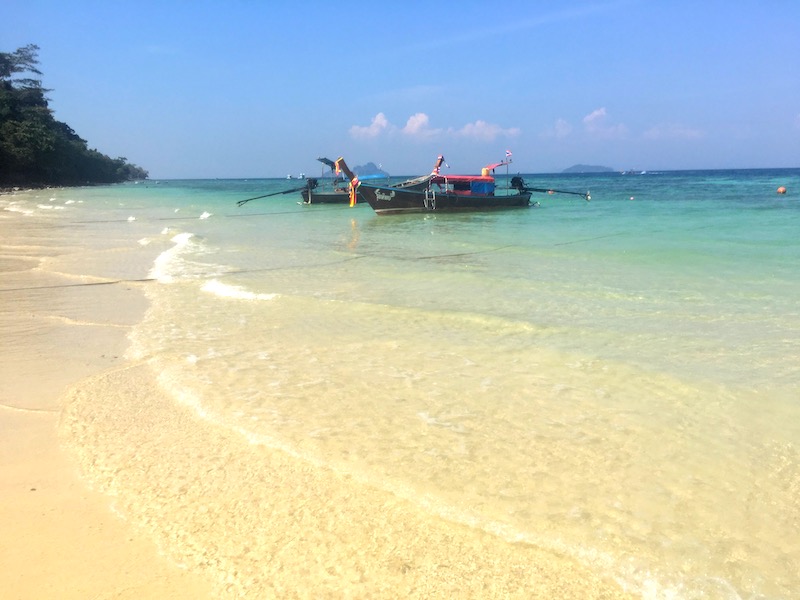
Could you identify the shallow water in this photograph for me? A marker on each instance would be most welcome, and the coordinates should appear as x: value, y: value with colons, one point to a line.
x: 615, y: 381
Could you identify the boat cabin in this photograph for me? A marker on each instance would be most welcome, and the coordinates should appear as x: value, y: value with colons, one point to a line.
x: 467, y: 185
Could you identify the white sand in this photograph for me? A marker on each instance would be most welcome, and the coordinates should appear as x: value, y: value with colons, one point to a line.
x: 60, y: 539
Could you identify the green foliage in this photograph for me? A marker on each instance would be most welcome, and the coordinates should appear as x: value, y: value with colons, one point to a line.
x: 35, y: 149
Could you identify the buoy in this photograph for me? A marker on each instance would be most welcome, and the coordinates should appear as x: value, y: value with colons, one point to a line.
x: 781, y: 190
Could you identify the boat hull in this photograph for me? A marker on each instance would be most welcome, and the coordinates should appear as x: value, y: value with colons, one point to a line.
x: 388, y: 200
x: 314, y: 197
x: 343, y: 196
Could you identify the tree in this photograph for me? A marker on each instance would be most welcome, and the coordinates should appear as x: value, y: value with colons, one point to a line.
x: 35, y: 149
x: 24, y: 60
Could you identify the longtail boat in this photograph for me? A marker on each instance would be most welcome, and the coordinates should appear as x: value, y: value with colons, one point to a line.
x: 338, y: 190
x: 438, y: 192
x: 330, y: 191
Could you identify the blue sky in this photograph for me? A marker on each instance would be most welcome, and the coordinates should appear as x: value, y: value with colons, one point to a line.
x: 261, y: 89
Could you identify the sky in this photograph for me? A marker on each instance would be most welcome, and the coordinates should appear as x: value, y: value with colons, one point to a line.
x: 249, y: 88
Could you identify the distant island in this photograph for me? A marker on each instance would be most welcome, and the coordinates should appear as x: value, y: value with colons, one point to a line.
x: 369, y: 169
x: 588, y: 169
x: 35, y: 149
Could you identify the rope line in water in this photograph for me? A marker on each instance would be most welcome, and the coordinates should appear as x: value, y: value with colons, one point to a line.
x: 152, y: 279
x: 69, y: 285
x: 245, y: 271
x: 599, y: 237
x: 303, y: 266
x: 433, y: 256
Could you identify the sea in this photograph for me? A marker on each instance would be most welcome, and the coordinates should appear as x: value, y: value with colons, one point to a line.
x: 615, y: 382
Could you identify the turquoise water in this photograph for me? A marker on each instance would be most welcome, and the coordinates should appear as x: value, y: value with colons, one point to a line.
x: 617, y: 381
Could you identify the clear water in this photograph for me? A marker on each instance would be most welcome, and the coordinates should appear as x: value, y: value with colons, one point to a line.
x: 617, y: 381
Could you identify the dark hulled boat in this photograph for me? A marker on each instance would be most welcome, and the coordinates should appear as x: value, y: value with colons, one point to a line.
x: 312, y: 195
x: 331, y: 191
x: 338, y: 190
x: 437, y: 192
x: 455, y: 194
x: 433, y: 192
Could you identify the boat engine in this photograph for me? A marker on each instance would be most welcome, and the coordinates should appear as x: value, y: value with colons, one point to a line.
x: 311, y: 183
x: 518, y: 183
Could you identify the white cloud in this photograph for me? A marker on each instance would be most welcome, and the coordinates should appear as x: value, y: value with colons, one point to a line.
x: 379, y: 124
x: 486, y: 131
x: 595, y: 123
x: 418, y: 127
x: 594, y: 117
x: 560, y: 130
x: 672, y: 131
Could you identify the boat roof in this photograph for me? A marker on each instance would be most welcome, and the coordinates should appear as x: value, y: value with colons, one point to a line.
x: 438, y: 178
x: 328, y: 162
x: 461, y: 178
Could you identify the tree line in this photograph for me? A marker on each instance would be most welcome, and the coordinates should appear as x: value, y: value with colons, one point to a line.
x: 35, y: 148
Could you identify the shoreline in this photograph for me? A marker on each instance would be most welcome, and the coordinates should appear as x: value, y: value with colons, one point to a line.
x: 113, y: 489
x: 62, y: 539
x: 10, y: 190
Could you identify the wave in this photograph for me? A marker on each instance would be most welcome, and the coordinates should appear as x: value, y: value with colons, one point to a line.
x: 18, y: 207
x: 224, y: 290
x: 163, y: 270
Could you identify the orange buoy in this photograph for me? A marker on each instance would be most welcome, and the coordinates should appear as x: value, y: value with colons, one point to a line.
x: 781, y: 190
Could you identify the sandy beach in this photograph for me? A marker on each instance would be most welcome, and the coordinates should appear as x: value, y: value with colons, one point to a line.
x: 212, y: 515
x: 61, y: 539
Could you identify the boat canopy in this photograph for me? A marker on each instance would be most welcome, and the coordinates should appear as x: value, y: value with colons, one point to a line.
x: 467, y: 184
x: 462, y: 178
x: 490, y: 168
x: 328, y: 162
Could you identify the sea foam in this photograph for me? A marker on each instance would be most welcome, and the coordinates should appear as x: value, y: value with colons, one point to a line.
x: 163, y: 266
x: 233, y: 291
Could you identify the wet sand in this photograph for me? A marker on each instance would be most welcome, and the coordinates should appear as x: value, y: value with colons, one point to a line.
x: 107, y: 485
x: 61, y: 539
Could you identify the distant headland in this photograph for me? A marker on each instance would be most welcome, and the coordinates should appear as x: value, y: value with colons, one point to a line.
x: 588, y: 169
x: 370, y: 169
x: 36, y: 150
